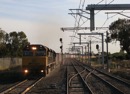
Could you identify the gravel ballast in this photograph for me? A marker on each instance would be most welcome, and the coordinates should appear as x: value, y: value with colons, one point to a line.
x: 53, y: 83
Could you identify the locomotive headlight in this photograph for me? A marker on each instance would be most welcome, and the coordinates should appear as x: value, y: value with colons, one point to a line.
x: 41, y: 70
x: 26, y: 71
x: 34, y: 48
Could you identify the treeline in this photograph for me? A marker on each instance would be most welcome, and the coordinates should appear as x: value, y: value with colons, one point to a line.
x: 119, y: 56
x: 113, y: 56
x: 11, y: 44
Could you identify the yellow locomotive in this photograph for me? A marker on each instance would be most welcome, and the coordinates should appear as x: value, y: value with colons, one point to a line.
x: 37, y: 59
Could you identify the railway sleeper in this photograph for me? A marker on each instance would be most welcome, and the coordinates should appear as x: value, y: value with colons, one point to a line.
x: 76, y: 86
x: 77, y: 89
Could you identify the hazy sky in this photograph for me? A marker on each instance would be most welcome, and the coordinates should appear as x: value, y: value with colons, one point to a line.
x: 41, y: 20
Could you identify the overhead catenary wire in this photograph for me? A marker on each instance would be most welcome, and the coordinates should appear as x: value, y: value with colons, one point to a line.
x: 104, y: 7
x: 79, y: 20
x: 110, y: 18
x: 78, y: 23
x: 88, y: 19
x: 100, y: 2
x: 97, y: 12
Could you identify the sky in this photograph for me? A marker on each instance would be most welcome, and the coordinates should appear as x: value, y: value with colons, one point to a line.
x: 42, y: 20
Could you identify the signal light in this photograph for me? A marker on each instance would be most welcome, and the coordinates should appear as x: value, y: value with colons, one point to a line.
x: 61, y: 40
x: 60, y: 47
x: 97, y: 46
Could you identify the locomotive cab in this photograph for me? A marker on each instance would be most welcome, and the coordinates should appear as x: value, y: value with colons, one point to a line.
x: 34, y: 59
x: 37, y: 59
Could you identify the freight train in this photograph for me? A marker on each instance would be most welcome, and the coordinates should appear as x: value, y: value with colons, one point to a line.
x: 38, y: 59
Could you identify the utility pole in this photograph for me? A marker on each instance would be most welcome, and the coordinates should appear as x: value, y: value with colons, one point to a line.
x: 85, y: 53
x: 90, y: 54
x: 107, y: 50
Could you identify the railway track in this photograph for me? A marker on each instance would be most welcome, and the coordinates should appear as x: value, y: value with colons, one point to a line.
x: 117, y: 84
x: 98, y: 81
x: 75, y: 82
x: 22, y: 87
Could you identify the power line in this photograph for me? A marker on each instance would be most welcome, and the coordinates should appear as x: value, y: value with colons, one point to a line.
x: 104, y: 7
x: 110, y: 18
x: 78, y: 22
x: 100, y: 2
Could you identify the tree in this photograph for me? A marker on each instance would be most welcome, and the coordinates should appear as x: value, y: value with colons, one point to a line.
x: 120, y: 31
x: 23, y: 41
x: 118, y: 56
x: 2, y: 35
x: 16, y: 42
x: 12, y: 44
x: 2, y: 44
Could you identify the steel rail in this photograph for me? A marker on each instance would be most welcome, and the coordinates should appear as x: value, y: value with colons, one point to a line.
x: 11, y: 88
x: 30, y: 87
x: 117, y: 90
x: 120, y: 80
x: 84, y: 83
x: 22, y: 90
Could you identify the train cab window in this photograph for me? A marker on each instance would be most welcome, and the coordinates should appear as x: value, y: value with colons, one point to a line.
x: 41, y: 53
x: 27, y: 53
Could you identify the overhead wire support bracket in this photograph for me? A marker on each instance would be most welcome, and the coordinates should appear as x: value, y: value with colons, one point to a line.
x: 80, y: 10
x: 81, y: 28
x: 79, y: 15
x: 103, y: 28
x: 117, y: 13
x: 90, y: 33
x: 94, y: 7
x: 108, y: 7
x: 74, y: 28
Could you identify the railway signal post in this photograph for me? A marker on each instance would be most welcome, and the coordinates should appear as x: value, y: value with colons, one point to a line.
x: 61, y: 47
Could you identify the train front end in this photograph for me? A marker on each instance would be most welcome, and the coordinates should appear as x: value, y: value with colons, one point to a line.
x: 34, y: 60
